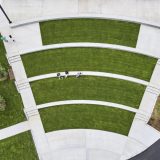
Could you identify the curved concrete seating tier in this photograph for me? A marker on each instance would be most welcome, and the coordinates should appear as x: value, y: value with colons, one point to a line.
x: 90, y: 73
x: 101, y: 103
x: 86, y: 44
x: 86, y: 15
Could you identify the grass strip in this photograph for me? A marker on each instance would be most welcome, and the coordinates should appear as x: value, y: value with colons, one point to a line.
x: 90, y: 30
x: 88, y: 88
x: 14, y: 110
x: 89, y: 59
x: 19, y: 147
x: 86, y: 117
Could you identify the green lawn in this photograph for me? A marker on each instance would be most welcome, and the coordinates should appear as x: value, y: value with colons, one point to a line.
x: 19, y: 147
x: 14, y: 110
x: 90, y: 30
x: 89, y: 59
x: 88, y: 88
x: 88, y: 117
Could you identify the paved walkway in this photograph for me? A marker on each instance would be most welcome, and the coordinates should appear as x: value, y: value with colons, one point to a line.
x: 34, y: 48
x: 86, y: 144
x: 90, y: 73
x: 148, y: 40
x: 25, y: 91
x: 13, y: 130
x: 140, y: 130
x: 100, y: 103
x: 140, y: 10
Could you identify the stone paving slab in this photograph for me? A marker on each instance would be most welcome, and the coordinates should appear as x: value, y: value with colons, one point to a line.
x: 144, y: 133
x: 86, y: 139
x: 144, y: 10
x: 93, y: 144
x: 69, y: 154
x: 148, y: 40
x: 95, y: 154
x: 28, y: 36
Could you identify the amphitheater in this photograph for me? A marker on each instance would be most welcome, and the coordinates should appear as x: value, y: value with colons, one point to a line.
x: 104, y: 114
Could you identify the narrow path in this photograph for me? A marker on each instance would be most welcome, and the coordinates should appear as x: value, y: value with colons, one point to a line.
x: 36, y: 48
x: 90, y: 73
x: 87, y: 14
x: 100, y: 103
x: 13, y: 130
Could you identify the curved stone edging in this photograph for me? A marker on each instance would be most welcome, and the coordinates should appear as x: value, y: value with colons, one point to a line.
x: 90, y: 73
x: 89, y: 15
x: 94, y: 102
x: 87, y: 44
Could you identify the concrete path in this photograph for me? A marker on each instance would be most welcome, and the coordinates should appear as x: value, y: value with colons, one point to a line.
x: 141, y: 10
x: 25, y: 91
x: 140, y: 130
x: 85, y: 144
x: 100, y: 103
x: 90, y: 73
x: 28, y: 36
x: 13, y: 130
x: 32, y: 48
x: 148, y: 40
x: 30, y: 109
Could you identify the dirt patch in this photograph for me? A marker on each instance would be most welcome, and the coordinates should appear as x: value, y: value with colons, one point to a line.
x: 155, y: 118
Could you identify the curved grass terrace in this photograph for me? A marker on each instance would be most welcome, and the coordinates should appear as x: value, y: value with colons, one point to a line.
x: 86, y: 117
x: 89, y: 59
x: 19, y: 147
x: 89, y: 30
x: 88, y: 88
x: 14, y: 108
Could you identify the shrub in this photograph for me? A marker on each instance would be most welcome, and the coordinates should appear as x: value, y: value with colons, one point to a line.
x: 2, y: 103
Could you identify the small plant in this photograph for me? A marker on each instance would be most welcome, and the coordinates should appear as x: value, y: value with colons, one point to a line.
x: 2, y: 103
x: 3, y: 73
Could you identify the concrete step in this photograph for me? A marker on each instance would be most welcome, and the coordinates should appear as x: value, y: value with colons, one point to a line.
x: 31, y: 111
x: 153, y: 90
x: 14, y: 59
x: 22, y: 85
x: 142, y: 117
